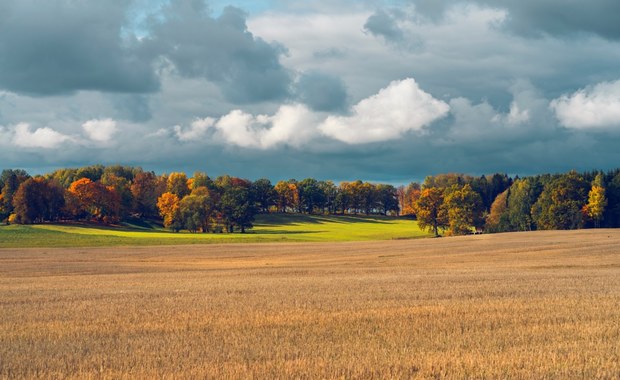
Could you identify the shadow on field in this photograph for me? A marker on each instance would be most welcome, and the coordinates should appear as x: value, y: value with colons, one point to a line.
x: 275, y: 220
x: 282, y: 232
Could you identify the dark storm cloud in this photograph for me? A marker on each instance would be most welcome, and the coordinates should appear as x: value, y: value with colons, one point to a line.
x: 221, y: 49
x: 132, y: 107
x: 61, y: 46
x: 321, y: 92
x: 384, y: 24
x: 553, y: 17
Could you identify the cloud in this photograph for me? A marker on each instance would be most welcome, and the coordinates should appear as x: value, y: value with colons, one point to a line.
x: 384, y: 24
x: 321, y: 92
x: 591, y: 107
x: 399, y: 108
x: 45, y: 137
x: 292, y: 125
x: 538, y: 17
x: 60, y: 46
x: 246, y: 68
x: 100, y: 130
x: 197, y: 130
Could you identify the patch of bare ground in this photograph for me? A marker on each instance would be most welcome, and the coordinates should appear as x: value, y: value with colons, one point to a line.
x: 519, y: 305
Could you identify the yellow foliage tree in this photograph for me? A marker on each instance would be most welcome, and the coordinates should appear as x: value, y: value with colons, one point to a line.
x: 597, y: 201
x: 429, y: 210
x: 169, y: 208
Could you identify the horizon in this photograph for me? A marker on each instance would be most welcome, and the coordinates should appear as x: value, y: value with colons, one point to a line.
x: 382, y: 91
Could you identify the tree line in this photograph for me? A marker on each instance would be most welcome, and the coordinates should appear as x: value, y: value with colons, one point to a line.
x: 460, y: 204
x: 225, y: 204
x: 447, y: 203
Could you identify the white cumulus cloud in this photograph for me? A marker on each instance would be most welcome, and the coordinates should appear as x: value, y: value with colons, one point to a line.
x: 100, y: 130
x: 591, y: 107
x: 291, y: 125
x: 45, y: 137
x: 400, y: 107
x: 197, y: 129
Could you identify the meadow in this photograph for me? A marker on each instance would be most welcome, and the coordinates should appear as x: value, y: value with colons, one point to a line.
x: 519, y: 305
x: 267, y: 228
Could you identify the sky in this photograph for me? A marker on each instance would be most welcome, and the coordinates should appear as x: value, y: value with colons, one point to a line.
x: 387, y: 91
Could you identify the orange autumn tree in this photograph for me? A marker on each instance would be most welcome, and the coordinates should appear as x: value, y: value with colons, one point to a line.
x: 169, y: 209
x: 94, y: 200
x: 287, y: 195
x: 430, y: 212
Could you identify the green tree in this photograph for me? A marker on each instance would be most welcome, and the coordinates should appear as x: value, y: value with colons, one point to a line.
x: 311, y: 195
x: 560, y: 205
x: 387, y: 199
x: 523, y: 194
x: 195, y: 212
x: 178, y: 184
x: 93, y: 173
x: 237, y: 207
x: 10, y: 181
x: 264, y: 194
x: 331, y: 192
x: 201, y: 179
x: 464, y: 208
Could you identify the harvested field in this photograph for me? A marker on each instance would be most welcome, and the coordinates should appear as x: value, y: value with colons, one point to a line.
x: 519, y: 305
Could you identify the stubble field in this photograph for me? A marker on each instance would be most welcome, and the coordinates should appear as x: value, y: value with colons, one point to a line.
x: 520, y: 305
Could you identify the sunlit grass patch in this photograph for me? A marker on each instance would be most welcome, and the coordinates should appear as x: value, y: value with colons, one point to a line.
x: 268, y: 228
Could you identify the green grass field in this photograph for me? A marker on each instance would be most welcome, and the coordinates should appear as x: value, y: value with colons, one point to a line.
x: 267, y: 228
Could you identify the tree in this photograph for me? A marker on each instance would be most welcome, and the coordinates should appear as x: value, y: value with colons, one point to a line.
x: 195, y: 212
x: 311, y: 195
x: 498, y: 219
x: 331, y: 192
x: 387, y: 199
x: 38, y: 200
x: 10, y: 181
x: 367, y: 197
x: 430, y: 212
x: 94, y: 200
x: 597, y: 201
x: 407, y: 198
x: 145, y: 190
x: 122, y: 187
x: 287, y: 195
x: 464, y: 208
x: 201, y: 179
x: 93, y: 173
x: 264, y: 194
x: 169, y: 209
x: 561, y: 202
x: 611, y: 215
x: 237, y: 208
x: 178, y: 184
x: 523, y: 195
x: 64, y: 176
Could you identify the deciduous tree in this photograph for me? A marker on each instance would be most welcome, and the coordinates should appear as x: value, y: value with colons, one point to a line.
x: 169, y: 209
x: 431, y: 214
x: 464, y: 209
x: 597, y: 201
